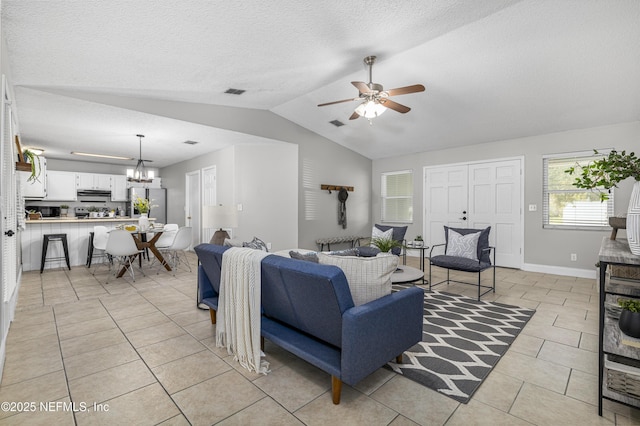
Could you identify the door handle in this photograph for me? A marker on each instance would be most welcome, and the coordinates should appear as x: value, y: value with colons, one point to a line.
x: 463, y: 218
x: 9, y: 233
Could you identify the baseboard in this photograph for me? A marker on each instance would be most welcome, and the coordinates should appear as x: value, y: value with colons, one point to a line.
x: 560, y: 270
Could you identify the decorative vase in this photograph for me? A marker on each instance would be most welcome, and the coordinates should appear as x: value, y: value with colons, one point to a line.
x: 633, y: 220
x: 630, y: 323
x: 143, y: 221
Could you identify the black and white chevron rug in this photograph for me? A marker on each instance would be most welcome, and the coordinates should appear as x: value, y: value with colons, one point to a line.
x: 463, y: 339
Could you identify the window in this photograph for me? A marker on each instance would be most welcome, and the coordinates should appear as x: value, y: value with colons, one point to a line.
x: 566, y: 206
x: 397, y: 196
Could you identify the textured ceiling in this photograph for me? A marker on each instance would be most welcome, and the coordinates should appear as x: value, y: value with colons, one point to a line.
x: 493, y: 69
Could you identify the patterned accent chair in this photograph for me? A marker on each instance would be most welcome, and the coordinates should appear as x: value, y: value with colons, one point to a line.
x: 465, y: 250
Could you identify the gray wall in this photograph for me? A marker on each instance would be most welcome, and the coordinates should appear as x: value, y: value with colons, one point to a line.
x: 548, y: 247
x: 262, y: 176
x: 319, y: 161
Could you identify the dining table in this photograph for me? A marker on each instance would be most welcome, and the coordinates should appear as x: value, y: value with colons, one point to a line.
x: 140, y: 237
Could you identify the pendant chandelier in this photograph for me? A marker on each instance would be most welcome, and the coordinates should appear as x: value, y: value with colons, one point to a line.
x: 140, y: 174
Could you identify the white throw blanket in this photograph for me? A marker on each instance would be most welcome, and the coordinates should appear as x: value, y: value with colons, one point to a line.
x: 238, y: 327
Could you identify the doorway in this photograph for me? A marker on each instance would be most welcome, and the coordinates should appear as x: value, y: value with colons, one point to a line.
x: 477, y: 195
x: 192, y: 206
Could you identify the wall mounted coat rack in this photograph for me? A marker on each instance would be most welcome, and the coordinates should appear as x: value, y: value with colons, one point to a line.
x: 335, y: 188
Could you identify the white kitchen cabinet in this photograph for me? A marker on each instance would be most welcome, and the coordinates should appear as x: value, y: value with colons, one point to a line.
x: 61, y: 186
x: 36, y: 189
x: 93, y: 181
x: 118, y: 188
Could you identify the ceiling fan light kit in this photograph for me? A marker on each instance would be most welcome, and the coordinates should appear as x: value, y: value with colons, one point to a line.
x: 376, y: 99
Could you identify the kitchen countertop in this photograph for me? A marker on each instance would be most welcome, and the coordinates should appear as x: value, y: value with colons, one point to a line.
x: 84, y: 220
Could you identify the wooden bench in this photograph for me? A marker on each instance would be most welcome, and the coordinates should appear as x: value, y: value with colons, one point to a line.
x: 353, y: 239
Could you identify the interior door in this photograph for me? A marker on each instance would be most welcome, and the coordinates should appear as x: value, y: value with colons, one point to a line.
x: 494, y: 200
x: 477, y: 195
x: 209, y: 197
x: 192, y: 206
x: 445, y: 201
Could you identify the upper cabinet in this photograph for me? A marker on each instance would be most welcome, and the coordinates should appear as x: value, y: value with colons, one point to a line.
x: 93, y: 181
x: 61, y: 186
x: 35, y: 189
x: 118, y: 188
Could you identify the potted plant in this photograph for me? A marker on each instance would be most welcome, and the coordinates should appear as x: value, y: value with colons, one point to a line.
x: 93, y: 211
x: 630, y: 317
x: 64, y: 210
x: 417, y: 241
x: 385, y: 244
x: 34, y: 160
x: 34, y: 215
x: 603, y: 174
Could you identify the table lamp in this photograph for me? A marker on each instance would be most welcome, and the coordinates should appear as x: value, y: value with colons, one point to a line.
x: 219, y: 217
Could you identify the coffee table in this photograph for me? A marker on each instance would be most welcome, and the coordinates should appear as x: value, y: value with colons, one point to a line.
x: 407, y: 274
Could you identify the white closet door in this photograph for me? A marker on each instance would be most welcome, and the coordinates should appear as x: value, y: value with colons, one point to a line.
x: 445, y: 201
x: 477, y: 195
x: 193, y: 202
x: 494, y: 200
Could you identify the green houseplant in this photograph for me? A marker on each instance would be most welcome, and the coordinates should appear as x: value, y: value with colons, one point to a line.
x: 385, y: 244
x: 606, y: 173
x: 630, y: 317
x: 36, y: 167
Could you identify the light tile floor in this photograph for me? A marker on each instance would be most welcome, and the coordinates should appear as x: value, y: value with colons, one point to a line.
x: 142, y: 353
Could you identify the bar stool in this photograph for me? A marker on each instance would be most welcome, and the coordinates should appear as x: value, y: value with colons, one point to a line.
x: 45, y: 245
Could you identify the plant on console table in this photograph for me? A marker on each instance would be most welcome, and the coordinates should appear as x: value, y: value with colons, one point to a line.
x: 606, y: 173
x: 630, y: 317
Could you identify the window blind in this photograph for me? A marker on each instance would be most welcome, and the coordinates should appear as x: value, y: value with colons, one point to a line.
x: 566, y: 206
x: 397, y: 196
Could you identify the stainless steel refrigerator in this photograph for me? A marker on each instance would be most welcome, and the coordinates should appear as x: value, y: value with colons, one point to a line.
x: 157, y: 198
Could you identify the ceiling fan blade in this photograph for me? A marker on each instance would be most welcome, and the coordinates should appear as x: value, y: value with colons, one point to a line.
x: 406, y: 90
x: 354, y: 116
x: 361, y: 86
x: 338, y: 102
x: 394, y: 106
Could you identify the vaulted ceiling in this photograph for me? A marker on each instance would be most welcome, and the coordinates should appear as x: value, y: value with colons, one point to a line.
x: 493, y: 70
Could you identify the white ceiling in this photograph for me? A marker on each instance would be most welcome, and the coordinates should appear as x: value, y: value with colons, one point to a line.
x: 493, y: 69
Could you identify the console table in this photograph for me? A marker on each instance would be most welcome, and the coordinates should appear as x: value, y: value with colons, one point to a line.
x: 618, y: 354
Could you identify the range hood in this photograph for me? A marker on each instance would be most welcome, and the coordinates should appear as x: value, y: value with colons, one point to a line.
x: 94, y: 193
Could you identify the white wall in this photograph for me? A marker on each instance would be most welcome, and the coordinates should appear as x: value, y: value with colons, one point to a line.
x: 548, y: 247
x: 262, y: 176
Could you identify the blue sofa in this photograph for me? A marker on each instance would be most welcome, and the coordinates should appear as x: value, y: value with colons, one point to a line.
x: 308, y: 310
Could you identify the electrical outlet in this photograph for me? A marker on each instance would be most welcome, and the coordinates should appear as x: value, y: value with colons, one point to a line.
x: 533, y: 207
x: 269, y: 246
x: 574, y: 257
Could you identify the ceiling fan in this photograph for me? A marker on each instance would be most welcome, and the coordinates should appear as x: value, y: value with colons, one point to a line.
x: 375, y: 98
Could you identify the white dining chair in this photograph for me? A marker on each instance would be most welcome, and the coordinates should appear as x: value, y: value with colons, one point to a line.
x: 175, y: 253
x: 100, y: 237
x: 168, y: 235
x: 122, y: 246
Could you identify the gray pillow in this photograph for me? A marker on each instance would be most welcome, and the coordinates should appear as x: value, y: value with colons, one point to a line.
x: 465, y: 246
x: 257, y: 244
x: 365, y: 251
x: 309, y: 257
x: 346, y: 252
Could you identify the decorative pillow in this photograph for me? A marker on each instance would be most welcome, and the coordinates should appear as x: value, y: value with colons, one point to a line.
x: 312, y: 256
x: 483, y: 241
x: 398, y: 233
x: 463, y: 245
x: 235, y: 242
x: 257, y: 244
x: 366, y: 251
x: 369, y: 278
x: 346, y: 252
x: 378, y: 233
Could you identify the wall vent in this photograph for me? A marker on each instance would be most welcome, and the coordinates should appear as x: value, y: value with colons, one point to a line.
x: 191, y: 142
x: 337, y: 123
x: 235, y: 91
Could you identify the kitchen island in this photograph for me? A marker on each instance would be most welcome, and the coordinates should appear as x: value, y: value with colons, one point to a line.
x: 77, y: 230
